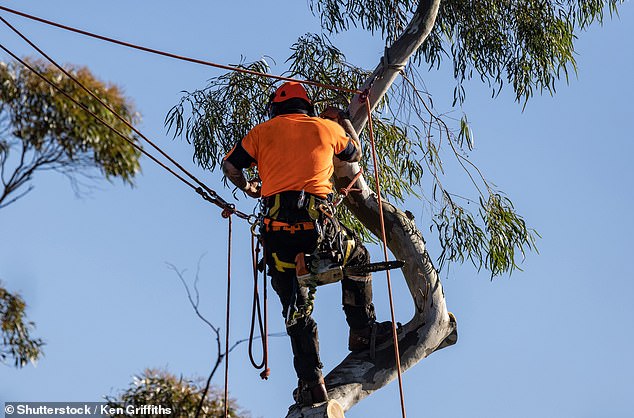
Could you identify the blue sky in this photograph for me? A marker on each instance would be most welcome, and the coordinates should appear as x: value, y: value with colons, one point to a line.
x: 553, y: 340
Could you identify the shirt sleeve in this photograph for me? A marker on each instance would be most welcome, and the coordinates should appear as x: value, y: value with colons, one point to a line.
x: 239, y: 157
x: 341, y: 140
x: 348, y: 152
x: 243, y: 154
x: 343, y: 146
x: 250, y: 142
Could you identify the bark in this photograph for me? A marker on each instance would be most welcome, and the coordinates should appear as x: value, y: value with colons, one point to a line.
x: 432, y: 327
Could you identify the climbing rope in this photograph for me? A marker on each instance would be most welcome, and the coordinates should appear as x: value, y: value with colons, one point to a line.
x: 345, y: 191
x: 397, y: 355
x: 227, y: 215
x: 265, y: 344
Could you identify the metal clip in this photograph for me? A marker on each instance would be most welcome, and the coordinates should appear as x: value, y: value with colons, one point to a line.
x: 301, y: 200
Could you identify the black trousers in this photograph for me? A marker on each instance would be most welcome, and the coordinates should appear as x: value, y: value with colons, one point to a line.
x: 281, y: 247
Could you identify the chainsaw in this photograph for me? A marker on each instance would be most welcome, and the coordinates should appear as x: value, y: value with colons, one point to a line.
x: 326, y: 267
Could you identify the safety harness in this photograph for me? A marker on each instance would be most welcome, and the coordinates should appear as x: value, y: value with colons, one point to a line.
x: 327, y: 263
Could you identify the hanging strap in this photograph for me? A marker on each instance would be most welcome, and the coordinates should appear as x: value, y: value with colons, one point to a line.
x: 256, y: 311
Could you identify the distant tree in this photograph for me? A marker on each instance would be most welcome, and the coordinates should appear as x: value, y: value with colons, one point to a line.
x: 181, y: 395
x: 525, y: 44
x: 17, y: 346
x: 41, y: 130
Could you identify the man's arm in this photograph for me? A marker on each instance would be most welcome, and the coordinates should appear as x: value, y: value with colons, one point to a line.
x: 232, y: 166
x: 236, y: 176
x: 347, y: 126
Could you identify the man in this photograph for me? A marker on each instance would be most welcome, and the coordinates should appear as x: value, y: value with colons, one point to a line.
x: 294, y: 153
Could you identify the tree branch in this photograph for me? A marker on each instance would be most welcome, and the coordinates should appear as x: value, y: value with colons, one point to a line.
x: 394, y: 59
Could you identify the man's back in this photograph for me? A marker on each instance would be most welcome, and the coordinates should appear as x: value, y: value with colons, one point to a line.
x: 295, y: 152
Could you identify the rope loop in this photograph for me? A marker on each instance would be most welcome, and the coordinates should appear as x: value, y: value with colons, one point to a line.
x: 227, y: 212
x: 363, y: 97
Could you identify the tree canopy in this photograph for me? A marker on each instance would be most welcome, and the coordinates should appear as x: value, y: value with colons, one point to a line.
x: 181, y: 395
x: 527, y: 45
x: 16, y: 342
x: 40, y: 129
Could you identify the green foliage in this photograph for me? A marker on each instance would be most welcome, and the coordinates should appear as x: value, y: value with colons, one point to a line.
x: 222, y: 113
x: 43, y: 130
x: 16, y: 343
x: 387, y: 17
x: 527, y: 44
x: 506, y: 232
x: 315, y: 58
x: 181, y: 395
x: 491, y: 245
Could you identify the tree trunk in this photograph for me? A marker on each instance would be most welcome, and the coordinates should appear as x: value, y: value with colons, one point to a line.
x: 432, y: 326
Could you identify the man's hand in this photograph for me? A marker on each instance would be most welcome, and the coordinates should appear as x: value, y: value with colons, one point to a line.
x: 236, y: 176
x: 334, y: 113
x: 253, y: 189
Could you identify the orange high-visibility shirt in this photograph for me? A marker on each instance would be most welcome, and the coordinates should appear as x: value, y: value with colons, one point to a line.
x: 294, y: 152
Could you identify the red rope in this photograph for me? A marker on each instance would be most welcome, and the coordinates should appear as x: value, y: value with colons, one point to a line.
x: 175, y: 56
x: 397, y: 355
x: 227, y: 322
x: 346, y: 190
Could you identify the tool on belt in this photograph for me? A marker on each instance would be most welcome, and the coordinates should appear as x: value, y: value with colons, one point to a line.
x: 322, y: 268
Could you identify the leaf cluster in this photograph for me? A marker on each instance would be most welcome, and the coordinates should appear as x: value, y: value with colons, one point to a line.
x: 491, y: 245
x: 46, y: 131
x: 181, y: 395
x: 387, y: 17
x: 16, y: 341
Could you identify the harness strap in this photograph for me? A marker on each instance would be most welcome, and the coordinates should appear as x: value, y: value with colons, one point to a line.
x: 279, y: 203
x: 282, y: 265
x: 275, y: 226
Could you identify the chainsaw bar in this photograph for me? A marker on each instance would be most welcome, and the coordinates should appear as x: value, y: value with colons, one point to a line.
x: 372, y: 267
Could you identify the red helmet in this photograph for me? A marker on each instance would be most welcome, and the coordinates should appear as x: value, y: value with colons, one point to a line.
x: 290, y: 90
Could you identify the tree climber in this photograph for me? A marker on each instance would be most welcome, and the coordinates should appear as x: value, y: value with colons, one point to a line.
x: 294, y: 153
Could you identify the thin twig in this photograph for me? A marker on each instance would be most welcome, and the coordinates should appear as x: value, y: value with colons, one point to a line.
x: 194, y: 302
